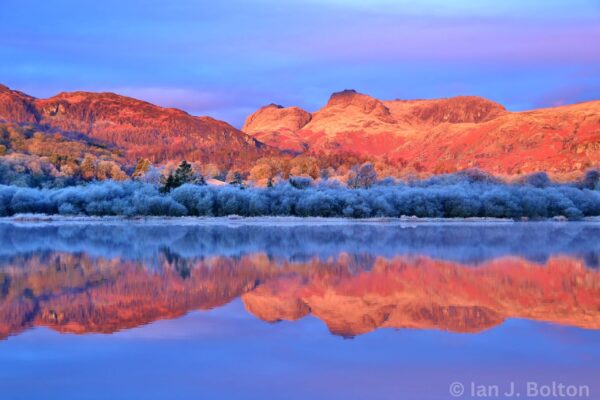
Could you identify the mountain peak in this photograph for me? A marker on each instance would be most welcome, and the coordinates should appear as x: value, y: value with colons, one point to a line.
x: 345, y: 92
x: 346, y: 97
x: 275, y: 117
x: 277, y: 126
x: 79, y: 96
x: 273, y: 105
x: 354, y: 105
x: 459, y: 109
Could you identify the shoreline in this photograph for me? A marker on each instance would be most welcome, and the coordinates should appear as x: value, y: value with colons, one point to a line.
x: 235, y: 220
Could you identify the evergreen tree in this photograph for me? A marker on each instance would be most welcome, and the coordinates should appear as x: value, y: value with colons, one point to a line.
x: 237, y: 179
x: 184, y: 173
x: 169, y: 183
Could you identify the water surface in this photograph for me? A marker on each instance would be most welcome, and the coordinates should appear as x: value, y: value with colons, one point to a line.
x: 270, y: 309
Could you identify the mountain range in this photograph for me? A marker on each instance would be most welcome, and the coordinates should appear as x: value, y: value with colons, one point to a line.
x: 437, y: 136
x: 420, y: 136
x: 81, y: 294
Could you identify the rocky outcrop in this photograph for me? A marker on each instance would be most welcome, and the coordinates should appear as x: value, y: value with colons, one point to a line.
x: 16, y: 107
x: 275, y: 117
x: 455, y: 110
x: 349, y: 110
x: 276, y: 125
x: 351, y: 101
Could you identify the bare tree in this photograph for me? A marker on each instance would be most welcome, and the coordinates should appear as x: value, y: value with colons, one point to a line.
x: 362, y: 176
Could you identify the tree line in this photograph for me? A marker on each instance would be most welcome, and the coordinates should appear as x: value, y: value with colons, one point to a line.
x: 461, y: 195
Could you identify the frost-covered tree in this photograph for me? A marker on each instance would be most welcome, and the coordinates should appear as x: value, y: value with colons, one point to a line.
x: 591, y: 180
x: 153, y: 176
x: 452, y: 196
x: 363, y: 176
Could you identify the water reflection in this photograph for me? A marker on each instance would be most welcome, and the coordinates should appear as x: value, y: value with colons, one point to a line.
x: 355, y: 278
x: 462, y: 242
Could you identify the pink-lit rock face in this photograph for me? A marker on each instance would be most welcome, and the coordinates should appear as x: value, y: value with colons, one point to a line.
x: 276, y: 125
x: 136, y: 127
x: 16, y: 106
x: 421, y: 137
x: 446, y: 135
x: 79, y: 294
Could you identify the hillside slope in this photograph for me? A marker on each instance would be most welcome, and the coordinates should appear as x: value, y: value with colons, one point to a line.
x: 138, y: 128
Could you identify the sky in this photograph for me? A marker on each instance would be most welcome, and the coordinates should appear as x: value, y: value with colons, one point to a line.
x: 226, y: 59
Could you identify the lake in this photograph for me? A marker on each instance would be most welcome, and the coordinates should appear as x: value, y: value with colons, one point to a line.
x: 294, y: 309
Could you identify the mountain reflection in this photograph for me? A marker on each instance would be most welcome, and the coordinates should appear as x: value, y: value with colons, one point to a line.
x: 74, y: 293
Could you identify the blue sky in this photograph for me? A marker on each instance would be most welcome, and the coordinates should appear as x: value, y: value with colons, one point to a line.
x: 227, y: 59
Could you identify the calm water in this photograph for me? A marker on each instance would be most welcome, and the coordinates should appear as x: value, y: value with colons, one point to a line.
x: 282, y: 310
